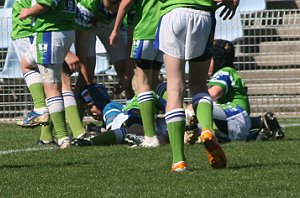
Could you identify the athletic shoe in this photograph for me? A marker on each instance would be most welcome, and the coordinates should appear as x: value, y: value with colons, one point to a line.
x: 271, y: 123
x: 81, y: 142
x: 150, y: 142
x: 215, y: 154
x: 179, y: 166
x: 263, y: 134
x: 133, y: 139
x: 94, y: 129
x: 85, y: 136
x: 34, y: 119
x: 64, y: 143
x: 46, y: 143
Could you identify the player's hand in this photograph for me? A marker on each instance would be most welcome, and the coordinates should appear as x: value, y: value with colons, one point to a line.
x: 73, y: 62
x: 229, y: 9
x: 113, y: 38
x: 23, y: 13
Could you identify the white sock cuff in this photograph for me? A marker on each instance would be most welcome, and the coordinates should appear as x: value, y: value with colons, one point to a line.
x: 69, y: 98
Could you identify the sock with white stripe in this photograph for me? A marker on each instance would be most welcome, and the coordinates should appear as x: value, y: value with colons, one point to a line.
x: 34, y: 82
x: 147, y: 109
x: 202, y: 105
x: 57, y: 114
x: 72, y: 114
x: 175, y: 120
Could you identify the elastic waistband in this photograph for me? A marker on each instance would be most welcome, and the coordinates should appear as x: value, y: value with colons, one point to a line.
x: 194, y: 9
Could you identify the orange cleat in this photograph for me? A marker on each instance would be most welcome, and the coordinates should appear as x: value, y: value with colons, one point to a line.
x: 216, y: 156
x: 179, y: 166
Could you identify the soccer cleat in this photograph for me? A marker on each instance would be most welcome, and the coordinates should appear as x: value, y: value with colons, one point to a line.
x: 216, y: 156
x: 263, y: 134
x: 133, y: 139
x: 81, y: 142
x: 35, y: 119
x: 93, y: 129
x: 271, y: 123
x: 46, y: 143
x: 64, y: 143
x: 85, y: 136
x: 150, y: 142
x: 179, y: 166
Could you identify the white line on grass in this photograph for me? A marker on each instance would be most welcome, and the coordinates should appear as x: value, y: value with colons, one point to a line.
x: 290, y: 125
x: 25, y: 150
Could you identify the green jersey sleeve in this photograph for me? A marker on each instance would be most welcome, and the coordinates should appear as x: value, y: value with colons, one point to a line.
x: 146, y: 19
x: 233, y: 86
x: 61, y: 16
x: 20, y: 28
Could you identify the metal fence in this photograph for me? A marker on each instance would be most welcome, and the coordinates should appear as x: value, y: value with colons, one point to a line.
x: 267, y: 56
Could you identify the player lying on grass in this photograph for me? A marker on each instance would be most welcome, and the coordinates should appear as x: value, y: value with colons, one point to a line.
x: 123, y: 122
x: 231, y: 110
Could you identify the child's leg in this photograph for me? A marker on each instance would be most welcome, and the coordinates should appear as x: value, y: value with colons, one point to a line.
x: 175, y: 115
x: 146, y: 104
x: 72, y: 114
x: 54, y: 101
x: 47, y: 136
x: 55, y: 104
x: 34, y: 82
x: 202, y: 104
x: 116, y: 136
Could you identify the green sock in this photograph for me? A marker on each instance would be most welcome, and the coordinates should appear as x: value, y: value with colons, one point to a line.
x: 58, y: 119
x: 176, y: 136
x: 148, y: 117
x: 74, y: 120
x: 38, y: 95
x: 110, y: 137
x: 204, y: 115
x: 46, y: 133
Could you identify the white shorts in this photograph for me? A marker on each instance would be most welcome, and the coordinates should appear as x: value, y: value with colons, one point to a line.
x: 22, y: 45
x: 51, y: 47
x: 144, y: 49
x: 49, y: 50
x: 184, y: 33
x: 103, y: 31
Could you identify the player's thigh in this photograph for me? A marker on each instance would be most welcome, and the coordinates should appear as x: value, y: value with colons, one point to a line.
x: 21, y: 46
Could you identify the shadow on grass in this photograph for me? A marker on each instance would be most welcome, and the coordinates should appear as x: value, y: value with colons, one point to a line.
x: 258, y: 165
x: 43, y: 165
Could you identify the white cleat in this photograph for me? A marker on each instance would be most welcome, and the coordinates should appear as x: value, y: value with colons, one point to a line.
x: 64, y: 143
x: 150, y: 142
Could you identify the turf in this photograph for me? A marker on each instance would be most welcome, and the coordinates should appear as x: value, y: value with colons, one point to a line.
x: 255, y: 169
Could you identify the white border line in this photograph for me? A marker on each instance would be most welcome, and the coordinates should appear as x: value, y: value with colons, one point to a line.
x: 13, y: 151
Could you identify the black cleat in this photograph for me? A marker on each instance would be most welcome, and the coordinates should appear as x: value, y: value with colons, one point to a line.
x: 271, y: 123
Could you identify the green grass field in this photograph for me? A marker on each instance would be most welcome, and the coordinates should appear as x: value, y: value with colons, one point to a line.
x: 255, y: 169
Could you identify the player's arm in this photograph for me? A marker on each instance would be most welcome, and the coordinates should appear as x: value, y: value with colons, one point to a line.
x: 123, y: 9
x: 73, y: 63
x: 35, y: 10
x: 215, y: 92
x: 229, y: 9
